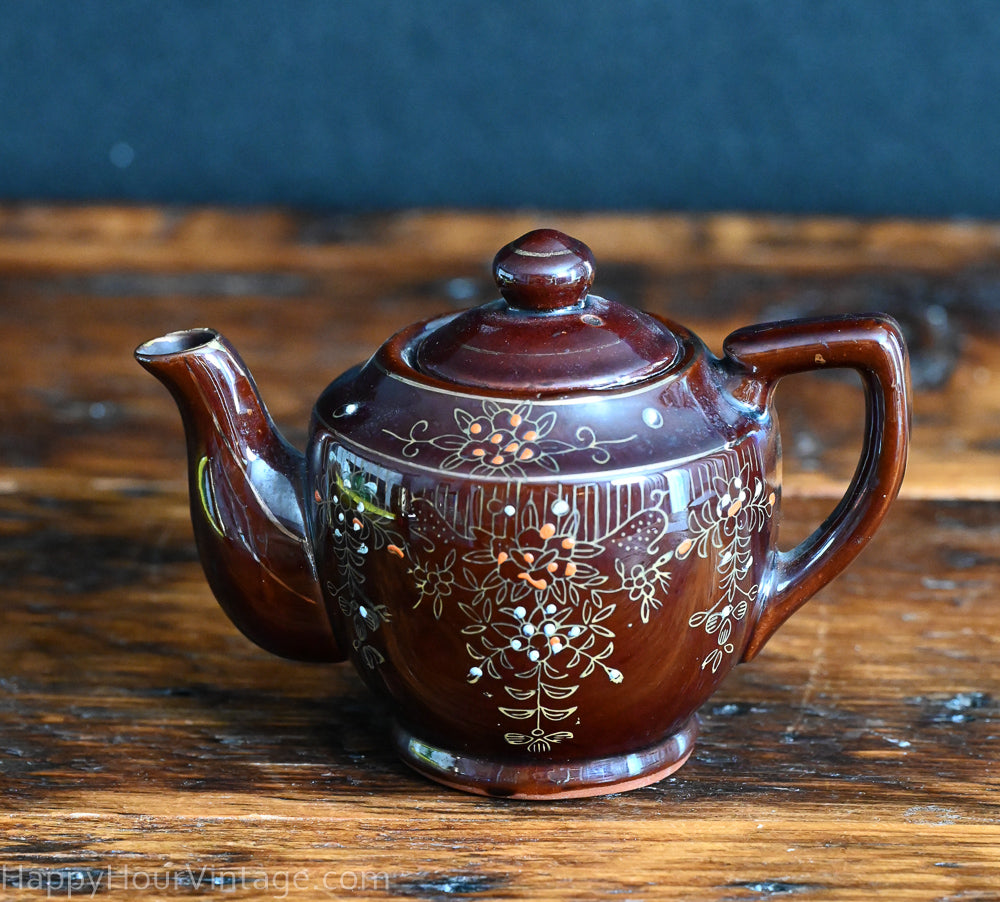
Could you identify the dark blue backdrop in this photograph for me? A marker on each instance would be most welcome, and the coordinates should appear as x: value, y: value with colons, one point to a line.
x: 855, y: 106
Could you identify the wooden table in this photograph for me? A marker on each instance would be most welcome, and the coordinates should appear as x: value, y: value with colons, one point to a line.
x: 148, y: 750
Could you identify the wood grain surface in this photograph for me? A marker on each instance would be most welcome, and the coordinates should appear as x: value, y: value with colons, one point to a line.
x: 148, y: 751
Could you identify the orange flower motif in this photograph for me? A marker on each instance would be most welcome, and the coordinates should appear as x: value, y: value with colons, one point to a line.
x: 540, y: 556
x: 499, y: 440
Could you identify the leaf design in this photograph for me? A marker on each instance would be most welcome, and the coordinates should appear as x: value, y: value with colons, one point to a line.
x: 518, y: 713
x: 557, y: 692
x: 602, y: 614
x: 372, y: 657
x: 555, y: 714
x: 544, y: 423
x: 522, y: 695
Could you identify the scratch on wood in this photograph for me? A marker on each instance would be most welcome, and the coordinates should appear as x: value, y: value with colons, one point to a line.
x: 815, y: 669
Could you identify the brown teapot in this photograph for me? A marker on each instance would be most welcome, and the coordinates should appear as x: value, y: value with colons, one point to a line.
x: 544, y: 529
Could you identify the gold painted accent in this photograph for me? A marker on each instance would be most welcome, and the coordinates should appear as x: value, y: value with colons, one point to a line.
x: 206, y: 495
x: 521, y: 252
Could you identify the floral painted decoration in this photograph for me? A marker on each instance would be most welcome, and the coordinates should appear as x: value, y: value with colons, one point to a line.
x: 508, y: 439
x: 537, y: 611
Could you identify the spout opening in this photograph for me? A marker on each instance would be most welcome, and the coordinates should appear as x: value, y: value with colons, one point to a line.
x: 175, y: 343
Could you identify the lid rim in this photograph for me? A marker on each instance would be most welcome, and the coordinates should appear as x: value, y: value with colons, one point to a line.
x: 397, y: 359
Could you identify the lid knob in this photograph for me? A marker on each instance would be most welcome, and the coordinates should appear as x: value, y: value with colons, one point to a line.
x: 544, y: 270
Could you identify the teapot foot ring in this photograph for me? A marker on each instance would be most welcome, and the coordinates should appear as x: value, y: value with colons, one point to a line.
x: 547, y: 780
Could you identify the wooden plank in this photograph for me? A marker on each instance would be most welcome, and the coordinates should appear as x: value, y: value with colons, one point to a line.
x: 856, y: 753
x: 334, y: 315
x: 75, y: 239
x: 142, y: 739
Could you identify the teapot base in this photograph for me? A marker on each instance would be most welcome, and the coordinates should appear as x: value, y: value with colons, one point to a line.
x: 548, y: 780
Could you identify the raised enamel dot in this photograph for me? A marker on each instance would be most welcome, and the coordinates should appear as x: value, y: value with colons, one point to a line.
x: 528, y: 629
x: 560, y: 507
x: 516, y: 644
x: 519, y: 612
x: 652, y: 418
x: 362, y: 610
x: 362, y: 548
x: 475, y: 672
x: 549, y: 629
x: 550, y: 609
x: 345, y: 410
x: 510, y: 510
x: 533, y: 655
x: 575, y: 631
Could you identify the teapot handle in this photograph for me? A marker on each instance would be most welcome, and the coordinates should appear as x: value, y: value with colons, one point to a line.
x: 758, y: 357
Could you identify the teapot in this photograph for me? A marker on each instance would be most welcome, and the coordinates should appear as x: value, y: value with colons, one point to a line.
x: 544, y: 529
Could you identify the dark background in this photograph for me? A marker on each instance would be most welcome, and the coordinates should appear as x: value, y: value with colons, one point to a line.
x: 853, y: 107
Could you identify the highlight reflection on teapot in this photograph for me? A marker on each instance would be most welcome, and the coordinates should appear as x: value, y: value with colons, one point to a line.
x: 544, y: 528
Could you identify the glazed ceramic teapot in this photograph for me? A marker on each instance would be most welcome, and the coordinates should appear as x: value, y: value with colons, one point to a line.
x: 544, y: 529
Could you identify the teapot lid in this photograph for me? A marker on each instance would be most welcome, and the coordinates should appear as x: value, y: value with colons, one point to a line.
x: 547, y: 333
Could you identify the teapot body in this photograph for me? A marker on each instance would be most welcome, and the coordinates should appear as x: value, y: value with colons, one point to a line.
x: 544, y: 529
x: 545, y: 589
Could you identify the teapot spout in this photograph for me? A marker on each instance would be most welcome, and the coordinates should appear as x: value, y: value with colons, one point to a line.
x: 247, y: 497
